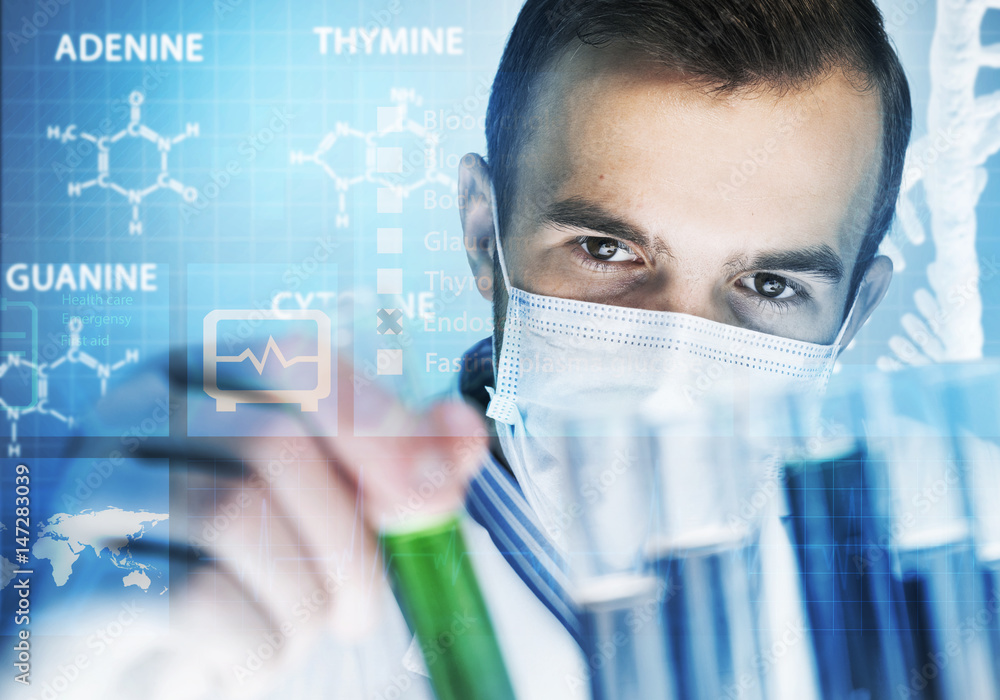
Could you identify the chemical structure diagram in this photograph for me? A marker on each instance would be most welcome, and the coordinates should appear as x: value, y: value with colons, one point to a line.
x: 42, y: 371
x: 387, y: 172
x: 134, y: 130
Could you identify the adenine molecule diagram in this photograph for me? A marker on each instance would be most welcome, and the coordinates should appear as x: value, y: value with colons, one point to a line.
x: 42, y: 370
x: 386, y: 166
x: 134, y: 130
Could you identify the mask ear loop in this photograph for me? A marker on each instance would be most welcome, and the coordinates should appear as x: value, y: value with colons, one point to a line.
x: 850, y: 315
x: 496, y: 238
x: 501, y: 407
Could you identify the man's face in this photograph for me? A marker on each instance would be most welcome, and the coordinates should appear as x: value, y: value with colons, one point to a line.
x: 746, y: 209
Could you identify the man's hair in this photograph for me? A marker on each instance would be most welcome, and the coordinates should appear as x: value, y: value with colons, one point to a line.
x: 725, y: 45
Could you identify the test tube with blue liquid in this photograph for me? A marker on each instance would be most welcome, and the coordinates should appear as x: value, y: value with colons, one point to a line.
x: 708, y: 560
x: 931, y: 535
x: 838, y: 518
x: 971, y: 395
x: 607, y: 519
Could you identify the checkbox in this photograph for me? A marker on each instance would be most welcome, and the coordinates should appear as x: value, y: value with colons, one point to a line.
x: 389, y: 119
x: 389, y: 280
x: 389, y: 201
x: 389, y: 362
x: 390, y: 240
x: 389, y: 160
x: 389, y: 321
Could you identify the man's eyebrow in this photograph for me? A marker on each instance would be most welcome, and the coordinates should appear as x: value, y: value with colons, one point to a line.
x: 821, y: 261
x: 577, y: 212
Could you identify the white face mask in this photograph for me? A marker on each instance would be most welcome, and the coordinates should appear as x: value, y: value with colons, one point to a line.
x: 561, y: 354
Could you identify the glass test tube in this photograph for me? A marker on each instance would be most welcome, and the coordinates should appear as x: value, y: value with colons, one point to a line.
x: 838, y: 518
x: 608, y: 510
x: 932, y: 537
x: 426, y: 559
x: 707, y: 559
x: 439, y: 595
x: 971, y: 395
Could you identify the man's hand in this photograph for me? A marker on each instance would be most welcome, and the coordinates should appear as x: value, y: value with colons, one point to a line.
x: 283, y: 530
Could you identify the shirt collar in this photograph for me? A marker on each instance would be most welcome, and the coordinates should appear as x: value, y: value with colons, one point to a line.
x: 497, y: 503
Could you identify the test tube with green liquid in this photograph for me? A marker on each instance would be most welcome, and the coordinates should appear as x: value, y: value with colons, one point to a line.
x: 425, y: 557
x: 436, y: 587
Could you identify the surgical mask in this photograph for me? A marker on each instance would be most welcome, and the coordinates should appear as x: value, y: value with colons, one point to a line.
x: 560, y: 354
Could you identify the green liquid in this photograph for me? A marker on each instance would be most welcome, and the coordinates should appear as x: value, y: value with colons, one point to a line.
x: 439, y: 595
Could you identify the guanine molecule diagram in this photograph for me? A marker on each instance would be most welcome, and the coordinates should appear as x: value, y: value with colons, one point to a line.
x: 134, y: 130
x: 41, y: 372
x: 391, y: 168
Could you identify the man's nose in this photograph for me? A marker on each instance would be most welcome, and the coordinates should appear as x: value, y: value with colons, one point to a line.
x: 691, y: 295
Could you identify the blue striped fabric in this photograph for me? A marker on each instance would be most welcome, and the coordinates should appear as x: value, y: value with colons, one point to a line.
x: 495, y: 501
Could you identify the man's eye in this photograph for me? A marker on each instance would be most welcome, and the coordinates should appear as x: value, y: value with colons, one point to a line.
x: 769, y: 285
x: 608, y: 249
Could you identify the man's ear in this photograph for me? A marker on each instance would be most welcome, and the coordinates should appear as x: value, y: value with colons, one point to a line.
x: 476, y: 211
x: 870, y: 294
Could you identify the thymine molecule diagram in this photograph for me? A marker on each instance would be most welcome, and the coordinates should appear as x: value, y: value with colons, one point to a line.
x: 43, y: 372
x: 391, y: 168
x: 134, y: 130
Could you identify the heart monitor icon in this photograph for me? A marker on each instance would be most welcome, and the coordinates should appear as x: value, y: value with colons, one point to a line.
x: 243, y: 377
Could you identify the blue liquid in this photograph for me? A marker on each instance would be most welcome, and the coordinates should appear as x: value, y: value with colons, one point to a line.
x: 622, y: 639
x: 991, y: 580
x: 710, y: 622
x: 948, y: 606
x: 853, y: 601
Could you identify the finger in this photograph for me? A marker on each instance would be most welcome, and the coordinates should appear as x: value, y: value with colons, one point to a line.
x: 906, y: 351
x: 249, y: 540
x: 910, y: 221
x: 885, y: 363
x: 928, y: 307
x: 327, y: 514
x: 399, y: 450
x: 922, y: 336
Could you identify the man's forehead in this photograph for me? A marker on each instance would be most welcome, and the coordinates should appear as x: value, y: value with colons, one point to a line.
x: 624, y: 129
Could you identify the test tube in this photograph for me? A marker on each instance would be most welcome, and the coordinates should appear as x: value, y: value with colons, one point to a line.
x: 428, y: 565
x: 437, y: 589
x: 931, y: 533
x: 971, y: 396
x: 838, y: 522
x: 708, y: 559
x: 606, y: 522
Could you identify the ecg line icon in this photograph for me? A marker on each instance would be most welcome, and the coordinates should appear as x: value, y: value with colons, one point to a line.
x: 272, y: 347
x: 227, y: 399
x: 135, y: 130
